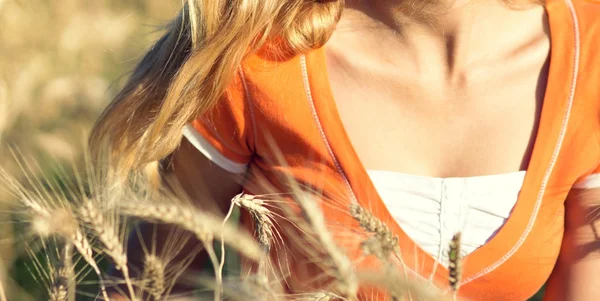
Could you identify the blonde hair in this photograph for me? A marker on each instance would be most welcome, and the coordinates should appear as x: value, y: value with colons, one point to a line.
x: 186, y: 72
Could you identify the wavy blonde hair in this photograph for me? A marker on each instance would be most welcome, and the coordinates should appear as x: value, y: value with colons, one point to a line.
x: 186, y: 72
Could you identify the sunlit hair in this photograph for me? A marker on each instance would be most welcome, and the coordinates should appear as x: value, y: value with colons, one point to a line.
x: 186, y: 72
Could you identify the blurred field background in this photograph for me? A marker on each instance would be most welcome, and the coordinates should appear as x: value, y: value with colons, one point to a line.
x: 61, y: 61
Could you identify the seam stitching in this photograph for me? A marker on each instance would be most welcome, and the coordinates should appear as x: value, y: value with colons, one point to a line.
x: 311, y: 103
x: 555, y: 154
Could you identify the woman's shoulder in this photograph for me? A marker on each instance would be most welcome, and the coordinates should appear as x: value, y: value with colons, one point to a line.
x: 275, y: 78
x: 272, y: 66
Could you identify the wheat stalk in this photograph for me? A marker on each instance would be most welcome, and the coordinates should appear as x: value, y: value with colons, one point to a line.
x: 235, y: 288
x: 52, y: 215
x: 340, y: 265
x: 66, y: 271
x: 73, y: 236
x: 164, y: 261
x: 219, y: 270
x: 319, y: 296
x: 383, y: 242
x: 107, y: 234
x: 78, y: 240
x: 263, y: 225
x: 154, y: 277
x: 378, y: 247
x: 400, y: 286
x: 56, y: 274
x: 204, y: 226
x: 61, y: 222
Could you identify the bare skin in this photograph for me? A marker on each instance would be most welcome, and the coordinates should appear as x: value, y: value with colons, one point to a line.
x: 443, y: 98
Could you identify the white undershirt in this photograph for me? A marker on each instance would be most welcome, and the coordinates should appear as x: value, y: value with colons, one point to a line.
x: 431, y: 210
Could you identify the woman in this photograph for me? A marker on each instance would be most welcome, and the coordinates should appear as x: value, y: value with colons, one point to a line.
x: 479, y: 117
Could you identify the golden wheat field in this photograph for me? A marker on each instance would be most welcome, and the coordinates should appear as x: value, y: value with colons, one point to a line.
x: 60, y: 63
x: 64, y: 223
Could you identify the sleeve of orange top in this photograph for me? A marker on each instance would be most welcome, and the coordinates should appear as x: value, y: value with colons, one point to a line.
x: 224, y: 133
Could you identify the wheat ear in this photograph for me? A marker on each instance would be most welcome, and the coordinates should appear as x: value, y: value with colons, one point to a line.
x: 107, y: 235
x: 154, y: 277
x: 61, y: 288
x: 60, y: 222
x: 263, y: 224
x: 82, y: 245
x: 262, y: 221
x: 57, y: 221
x: 77, y: 239
x: 204, y: 226
x: 58, y: 292
x: 261, y: 216
x: 454, y: 265
x: 384, y: 242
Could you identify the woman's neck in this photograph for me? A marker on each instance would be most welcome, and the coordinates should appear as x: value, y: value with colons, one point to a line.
x: 443, y: 16
x: 453, y: 33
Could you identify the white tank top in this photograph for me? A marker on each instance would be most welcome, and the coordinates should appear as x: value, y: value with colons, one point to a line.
x: 431, y: 210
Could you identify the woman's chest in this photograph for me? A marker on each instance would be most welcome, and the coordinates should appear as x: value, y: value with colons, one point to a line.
x: 486, y: 129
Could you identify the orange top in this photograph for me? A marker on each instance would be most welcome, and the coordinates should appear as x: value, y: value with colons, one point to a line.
x: 289, y: 103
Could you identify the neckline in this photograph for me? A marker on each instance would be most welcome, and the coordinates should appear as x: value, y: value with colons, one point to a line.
x: 563, y: 63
